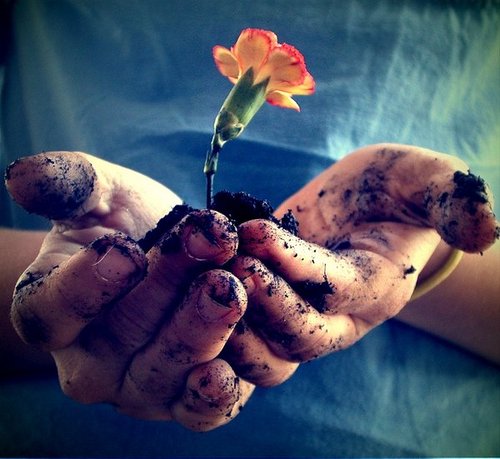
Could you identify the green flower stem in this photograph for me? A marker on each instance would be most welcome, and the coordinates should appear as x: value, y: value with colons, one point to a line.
x: 240, y: 106
x: 211, y: 168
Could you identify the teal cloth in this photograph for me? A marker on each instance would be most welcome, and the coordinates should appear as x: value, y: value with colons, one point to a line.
x: 134, y: 82
x: 395, y: 393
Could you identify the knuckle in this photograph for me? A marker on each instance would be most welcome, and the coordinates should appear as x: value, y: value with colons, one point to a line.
x: 80, y: 389
x: 32, y: 329
x: 307, y: 344
x: 80, y: 385
x: 257, y: 232
x: 266, y: 376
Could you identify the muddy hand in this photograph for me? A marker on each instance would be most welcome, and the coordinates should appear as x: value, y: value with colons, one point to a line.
x: 118, y: 322
x: 368, y: 226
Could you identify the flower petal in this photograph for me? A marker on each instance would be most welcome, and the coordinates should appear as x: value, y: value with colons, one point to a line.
x: 282, y: 99
x: 226, y: 62
x: 304, y: 89
x: 277, y: 70
x: 285, y: 65
x: 252, y: 47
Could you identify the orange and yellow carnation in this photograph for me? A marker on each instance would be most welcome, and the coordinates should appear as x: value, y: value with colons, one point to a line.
x: 279, y: 67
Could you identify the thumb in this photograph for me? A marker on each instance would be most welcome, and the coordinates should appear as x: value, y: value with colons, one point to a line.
x: 79, y: 191
x: 55, y: 185
x: 397, y: 183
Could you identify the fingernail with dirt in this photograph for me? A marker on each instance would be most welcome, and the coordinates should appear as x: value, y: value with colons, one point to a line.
x: 212, y: 310
x: 116, y: 261
x: 199, y: 247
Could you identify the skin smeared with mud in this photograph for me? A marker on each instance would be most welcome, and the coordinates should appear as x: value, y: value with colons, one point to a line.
x: 466, y: 200
x: 376, y: 193
x: 164, y: 225
x: 239, y: 208
x: 349, y: 213
x: 33, y: 328
x: 366, y: 231
x: 111, y: 310
x: 242, y: 207
x: 57, y: 188
x: 206, y: 387
x: 368, y: 226
x: 200, y: 221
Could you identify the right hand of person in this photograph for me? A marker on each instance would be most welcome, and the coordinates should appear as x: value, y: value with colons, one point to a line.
x: 141, y: 331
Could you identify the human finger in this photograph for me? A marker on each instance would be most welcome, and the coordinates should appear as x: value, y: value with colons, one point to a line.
x: 214, y: 395
x: 50, y: 310
x: 201, y: 240
x: 252, y: 359
x: 196, y: 333
x: 307, y: 301
x: 91, y: 370
x: 293, y: 329
x: 402, y: 183
x: 53, y: 185
x: 77, y: 190
x: 383, y: 260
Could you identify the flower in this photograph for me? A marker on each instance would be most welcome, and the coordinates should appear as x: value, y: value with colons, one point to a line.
x: 261, y: 70
x: 281, y: 66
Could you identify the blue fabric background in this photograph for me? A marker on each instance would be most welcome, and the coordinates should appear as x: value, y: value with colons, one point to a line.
x: 134, y: 82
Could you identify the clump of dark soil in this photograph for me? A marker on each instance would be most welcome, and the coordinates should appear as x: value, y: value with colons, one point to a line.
x: 238, y: 207
x: 164, y: 225
x: 471, y: 188
x: 241, y: 207
x: 315, y: 292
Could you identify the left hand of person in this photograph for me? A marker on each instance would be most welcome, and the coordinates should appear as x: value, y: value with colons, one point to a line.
x: 368, y: 226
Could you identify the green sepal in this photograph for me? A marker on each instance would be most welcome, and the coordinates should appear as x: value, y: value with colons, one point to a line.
x: 240, y: 106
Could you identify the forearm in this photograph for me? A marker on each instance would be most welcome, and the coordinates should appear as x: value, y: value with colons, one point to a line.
x: 464, y: 308
x: 17, y: 250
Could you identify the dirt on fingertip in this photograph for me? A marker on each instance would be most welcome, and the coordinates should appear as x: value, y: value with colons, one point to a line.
x: 51, y: 185
x: 164, y: 225
x: 470, y: 187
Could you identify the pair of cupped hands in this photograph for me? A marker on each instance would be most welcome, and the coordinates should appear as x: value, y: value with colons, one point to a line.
x: 186, y: 330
